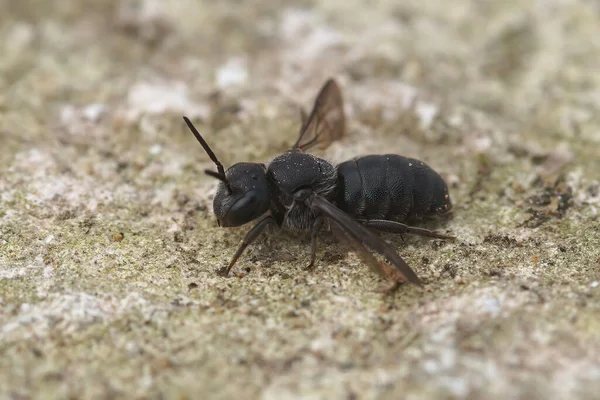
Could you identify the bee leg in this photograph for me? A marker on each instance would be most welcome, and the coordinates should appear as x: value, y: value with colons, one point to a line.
x: 397, y: 227
x: 316, y: 227
x: 248, y: 239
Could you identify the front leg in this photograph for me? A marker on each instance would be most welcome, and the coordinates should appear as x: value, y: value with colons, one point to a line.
x: 398, y: 227
x: 316, y: 227
x: 248, y: 239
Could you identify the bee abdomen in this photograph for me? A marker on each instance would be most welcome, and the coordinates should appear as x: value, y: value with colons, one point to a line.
x: 390, y: 187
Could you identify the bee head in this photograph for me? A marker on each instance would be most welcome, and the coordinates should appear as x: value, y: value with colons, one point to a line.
x: 243, y: 195
x: 243, y: 191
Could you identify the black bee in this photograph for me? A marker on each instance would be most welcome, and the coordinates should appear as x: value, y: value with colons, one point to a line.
x: 298, y: 191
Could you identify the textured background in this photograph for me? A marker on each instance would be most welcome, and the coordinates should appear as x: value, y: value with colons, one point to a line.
x: 108, y: 244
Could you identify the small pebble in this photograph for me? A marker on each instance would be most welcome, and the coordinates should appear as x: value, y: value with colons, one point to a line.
x: 118, y: 237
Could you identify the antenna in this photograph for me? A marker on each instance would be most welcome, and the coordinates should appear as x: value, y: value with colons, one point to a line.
x: 216, y: 175
x: 220, y: 174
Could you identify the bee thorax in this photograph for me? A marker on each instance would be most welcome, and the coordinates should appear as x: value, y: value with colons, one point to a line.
x: 299, y: 218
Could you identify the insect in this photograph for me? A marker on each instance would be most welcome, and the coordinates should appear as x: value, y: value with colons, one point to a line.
x: 300, y: 192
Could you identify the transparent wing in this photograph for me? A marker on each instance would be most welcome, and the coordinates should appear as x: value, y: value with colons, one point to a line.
x: 326, y: 122
x: 354, y: 245
x: 364, y: 239
x: 381, y: 267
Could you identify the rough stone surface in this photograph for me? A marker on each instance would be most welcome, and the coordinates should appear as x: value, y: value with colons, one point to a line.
x: 108, y: 245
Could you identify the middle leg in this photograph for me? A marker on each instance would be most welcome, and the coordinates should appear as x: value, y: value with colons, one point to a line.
x: 316, y: 227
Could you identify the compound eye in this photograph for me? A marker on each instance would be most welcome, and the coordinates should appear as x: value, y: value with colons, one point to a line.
x: 244, y: 204
x: 245, y: 209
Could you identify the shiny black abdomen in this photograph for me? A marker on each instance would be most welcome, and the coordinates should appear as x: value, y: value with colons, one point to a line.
x: 390, y: 187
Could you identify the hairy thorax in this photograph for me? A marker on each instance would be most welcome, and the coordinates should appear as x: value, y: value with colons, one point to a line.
x: 293, y: 171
